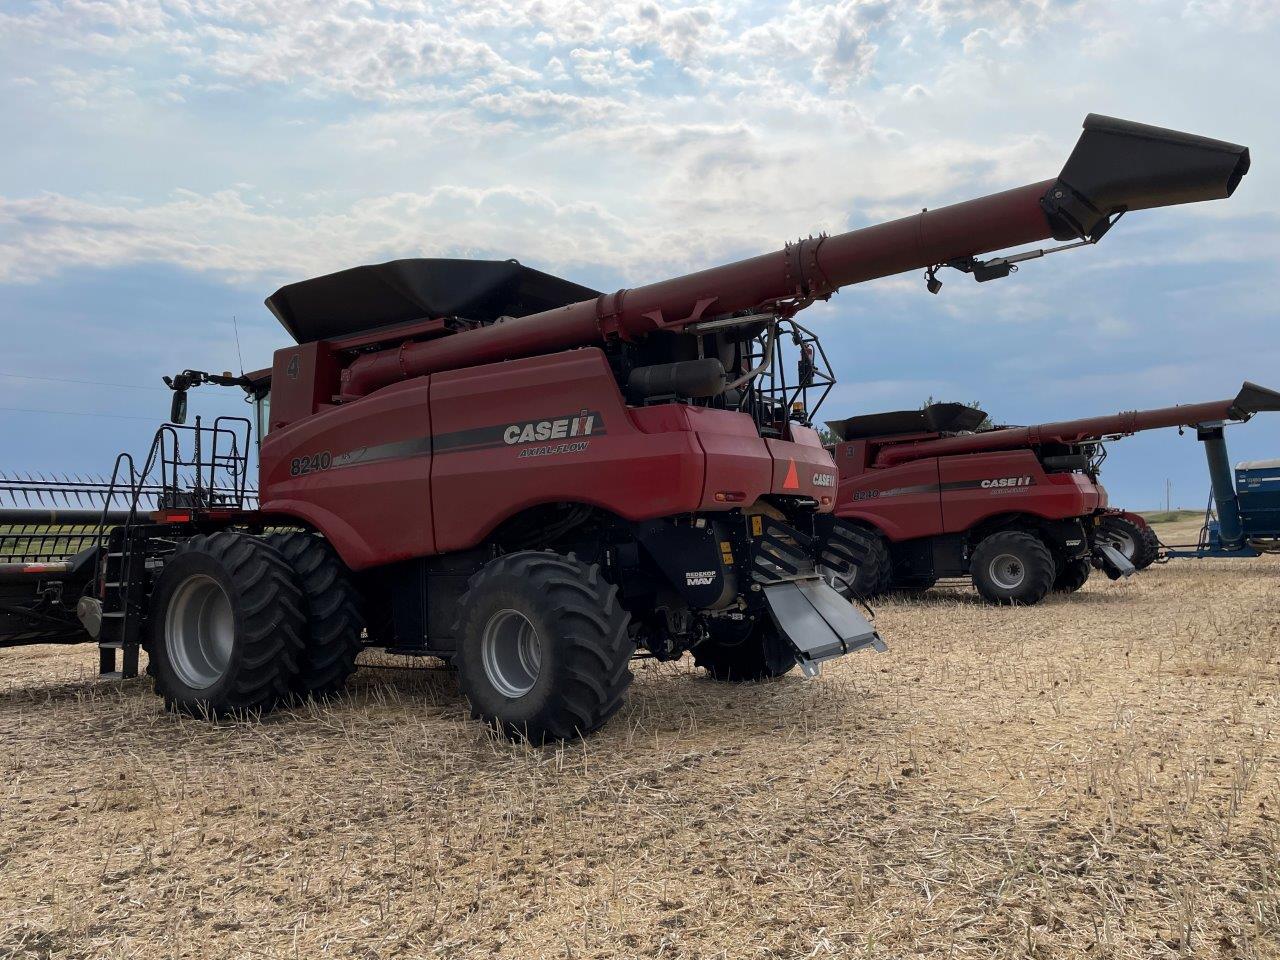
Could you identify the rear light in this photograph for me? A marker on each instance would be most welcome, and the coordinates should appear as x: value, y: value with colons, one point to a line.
x: 171, y: 516
x: 730, y: 496
x: 826, y: 501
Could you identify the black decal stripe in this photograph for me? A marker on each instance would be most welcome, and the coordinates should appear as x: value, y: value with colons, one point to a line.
x: 940, y: 488
x: 399, y: 449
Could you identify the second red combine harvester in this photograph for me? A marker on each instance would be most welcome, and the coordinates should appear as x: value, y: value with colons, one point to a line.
x: 925, y: 495
x: 532, y: 479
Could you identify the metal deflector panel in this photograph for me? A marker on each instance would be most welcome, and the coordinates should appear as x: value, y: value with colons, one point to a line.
x: 1119, y: 563
x: 818, y: 622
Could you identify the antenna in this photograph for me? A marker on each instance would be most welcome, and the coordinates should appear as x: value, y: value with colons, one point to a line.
x: 239, y: 356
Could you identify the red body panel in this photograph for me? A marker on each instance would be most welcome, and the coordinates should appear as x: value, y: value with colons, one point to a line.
x: 966, y: 502
x: 435, y: 464
x: 359, y: 473
x: 903, y: 503
x: 938, y: 495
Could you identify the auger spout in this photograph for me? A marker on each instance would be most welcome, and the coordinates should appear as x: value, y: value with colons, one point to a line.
x: 1116, y: 166
x: 1251, y: 399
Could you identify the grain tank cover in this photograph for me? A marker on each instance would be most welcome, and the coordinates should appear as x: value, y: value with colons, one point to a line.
x: 380, y: 295
x: 935, y: 418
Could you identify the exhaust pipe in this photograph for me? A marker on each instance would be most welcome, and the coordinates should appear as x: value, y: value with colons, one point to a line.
x: 1120, y: 165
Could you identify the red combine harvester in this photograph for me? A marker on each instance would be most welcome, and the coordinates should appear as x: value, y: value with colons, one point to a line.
x: 926, y: 495
x: 531, y: 479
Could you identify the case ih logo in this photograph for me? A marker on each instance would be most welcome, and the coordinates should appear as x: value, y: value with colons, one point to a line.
x: 824, y: 479
x: 534, y: 431
x: 1007, y: 482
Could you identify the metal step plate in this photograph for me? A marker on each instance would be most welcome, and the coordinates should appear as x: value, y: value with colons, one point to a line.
x: 1117, y: 565
x: 818, y: 622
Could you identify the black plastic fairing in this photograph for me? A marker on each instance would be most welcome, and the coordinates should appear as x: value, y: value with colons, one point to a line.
x: 1253, y: 398
x: 400, y: 291
x: 1119, y: 165
x: 935, y: 418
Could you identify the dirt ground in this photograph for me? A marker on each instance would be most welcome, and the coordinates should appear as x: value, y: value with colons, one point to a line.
x: 1095, y: 776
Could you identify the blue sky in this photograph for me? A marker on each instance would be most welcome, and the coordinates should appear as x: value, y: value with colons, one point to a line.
x: 168, y: 163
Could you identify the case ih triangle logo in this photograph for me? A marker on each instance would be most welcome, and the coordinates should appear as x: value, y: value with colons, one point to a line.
x: 792, y: 482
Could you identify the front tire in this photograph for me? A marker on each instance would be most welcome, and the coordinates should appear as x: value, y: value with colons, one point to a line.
x: 543, y: 646
x: 334, y: 623
x: 227, y: 622
x: 751, y: 653
x: 855, y: 561
x: 1012, y: 567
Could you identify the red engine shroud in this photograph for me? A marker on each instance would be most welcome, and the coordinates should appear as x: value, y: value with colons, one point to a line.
x: 436, y: 463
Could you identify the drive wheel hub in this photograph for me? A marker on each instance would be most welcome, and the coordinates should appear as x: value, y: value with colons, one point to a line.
x: 1007, y: 571
x: 200, y: 631
x: 511, y: 653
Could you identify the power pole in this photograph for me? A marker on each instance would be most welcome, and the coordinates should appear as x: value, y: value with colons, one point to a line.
x: 1168, y: 495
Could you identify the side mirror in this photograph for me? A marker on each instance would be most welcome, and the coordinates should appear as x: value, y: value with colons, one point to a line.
x: 178, y: 408
x: 806, y: 368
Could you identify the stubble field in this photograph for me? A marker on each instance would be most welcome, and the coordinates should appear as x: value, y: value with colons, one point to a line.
x: 1095, y: 776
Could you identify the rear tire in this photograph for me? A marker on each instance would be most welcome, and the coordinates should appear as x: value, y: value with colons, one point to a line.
x: 1012, y: 567
x: 758, y: 652
x: 855, y: 561
x: 334, y: 622
x: 227, y: 622
x: 543, y: 646
x: 1072, y: 576
x: 1136, y: 541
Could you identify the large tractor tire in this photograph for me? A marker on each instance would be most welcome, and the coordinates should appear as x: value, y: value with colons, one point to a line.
x: 543, y: 646
x: 855, y: 561
x: 1137, y: 541
x: 226, y: 627
x: 1072, y: 576
x: 1012, y: 566
x: 754, y: 652
x: 334, y: 623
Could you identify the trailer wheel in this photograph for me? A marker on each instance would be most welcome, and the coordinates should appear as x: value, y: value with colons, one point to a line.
x: 543, y: 646
x: 1012, y: 567
x: 227, y: 622
x: 1072, y: 576
x: 855, y: 561
x: 334, y: 622
x: 1150, y: 551
x: 1138, y: 543
x: 757, y: 652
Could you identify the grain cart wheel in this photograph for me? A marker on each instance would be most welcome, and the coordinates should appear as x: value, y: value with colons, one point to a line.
x: 1072, y: 576
x: 1137, y: 542
x: 227, y: 622
x: 1012, y: 567
x: 334, y: 622
x: 855, y: 561
x: 543, y: 646
x: 757, y: 652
